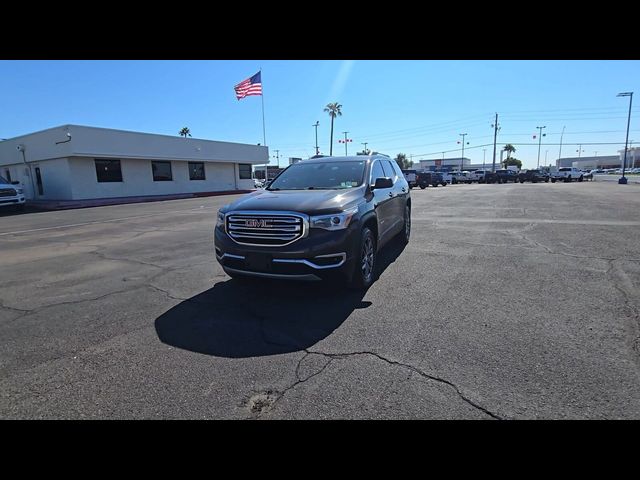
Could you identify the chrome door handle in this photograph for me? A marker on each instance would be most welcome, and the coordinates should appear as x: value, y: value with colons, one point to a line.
x: 391, y: 194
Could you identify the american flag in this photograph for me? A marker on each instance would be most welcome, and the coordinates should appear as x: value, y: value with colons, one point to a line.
x: 250, y: 86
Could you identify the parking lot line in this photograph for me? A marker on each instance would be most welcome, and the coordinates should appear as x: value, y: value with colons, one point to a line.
x: 71, y: 225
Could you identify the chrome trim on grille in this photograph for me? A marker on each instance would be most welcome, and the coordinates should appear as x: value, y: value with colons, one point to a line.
x: 279, y: 276
x: 343, y: 257
x: 283, y: 226
x: 229, y: 255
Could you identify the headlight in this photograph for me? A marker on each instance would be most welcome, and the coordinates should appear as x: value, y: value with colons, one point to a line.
x: 336, y: 221
x: 20, y: 191
x: 220, y: 222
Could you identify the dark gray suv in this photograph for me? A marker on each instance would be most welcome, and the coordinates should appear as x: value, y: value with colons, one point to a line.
x: 322, y: 218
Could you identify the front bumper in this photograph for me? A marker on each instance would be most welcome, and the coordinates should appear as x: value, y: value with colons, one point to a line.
x: 6, y: 201
x: 322, y: 255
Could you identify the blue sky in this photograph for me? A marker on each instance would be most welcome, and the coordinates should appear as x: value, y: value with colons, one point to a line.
x: 416, y: 107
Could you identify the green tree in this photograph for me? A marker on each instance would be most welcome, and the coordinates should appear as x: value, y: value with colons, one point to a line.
x: 334, y: 110
x: 184, y: 132
x: 512, y: 161
x: 401, y: 159
x: 509, y: 149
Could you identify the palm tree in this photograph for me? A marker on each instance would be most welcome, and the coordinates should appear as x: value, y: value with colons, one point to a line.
x: 509, y: 149
x: 334, y: 110
x: 184, y: 132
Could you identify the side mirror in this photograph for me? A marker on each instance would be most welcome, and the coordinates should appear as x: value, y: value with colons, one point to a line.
x: 382, y: 182
x: 15, y: 182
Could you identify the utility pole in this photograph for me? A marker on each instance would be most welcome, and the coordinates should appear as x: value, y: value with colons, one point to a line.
x: 277, y: 157
x: 540, y: 142
x: 484, y: 154
x: 560, y: 152
x: 316, y: 125
x: 623, y: 179
x: 545, y: 157
x: 495, y: 138
x: 345, y: 141
x: 462, y: 159
x: 579, y: 150
x: 365, y: 147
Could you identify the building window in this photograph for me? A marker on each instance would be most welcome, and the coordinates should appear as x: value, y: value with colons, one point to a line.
x: 196, y: 171
x: 161, y: 171
x: 244, y: 169
x: 39, y: 181
x: 108, y: 171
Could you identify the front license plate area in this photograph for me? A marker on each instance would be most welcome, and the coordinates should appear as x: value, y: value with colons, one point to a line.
x: 258, y: 262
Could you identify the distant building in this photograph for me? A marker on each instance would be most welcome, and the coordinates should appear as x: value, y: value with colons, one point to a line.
x: 588, y: 163
x: 293, y: 160
x: 445, y: 164
x: 74, y: 162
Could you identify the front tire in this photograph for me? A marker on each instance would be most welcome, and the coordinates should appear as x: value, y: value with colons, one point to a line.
x: 365, y: 264
x: 422, y: 187
x: 406, y: 230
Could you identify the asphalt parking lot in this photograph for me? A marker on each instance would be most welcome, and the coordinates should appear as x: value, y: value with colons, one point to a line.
x: 510, y: 301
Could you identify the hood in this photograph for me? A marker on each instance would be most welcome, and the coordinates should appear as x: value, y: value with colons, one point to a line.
x: 311, y: 202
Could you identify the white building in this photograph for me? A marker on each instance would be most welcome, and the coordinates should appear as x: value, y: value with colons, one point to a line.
x: 444, y: 164
x: 589, y: 163
x: 73, y: 162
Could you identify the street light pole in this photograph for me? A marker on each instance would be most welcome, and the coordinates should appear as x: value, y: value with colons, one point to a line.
x: 540, y: 143
x: 316, y: 125
x: 484, y: 156
x: 560, y: 152
x: 462, y: 159
x: 623, y: 179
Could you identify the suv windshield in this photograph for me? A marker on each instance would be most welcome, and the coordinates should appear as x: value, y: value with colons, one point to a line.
x: 320, y: 176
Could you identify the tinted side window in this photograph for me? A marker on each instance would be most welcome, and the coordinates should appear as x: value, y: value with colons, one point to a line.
x: 394, y: 167
x: 376, y: 171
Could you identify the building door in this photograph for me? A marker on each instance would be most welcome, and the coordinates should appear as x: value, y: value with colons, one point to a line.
x: 39, y: 181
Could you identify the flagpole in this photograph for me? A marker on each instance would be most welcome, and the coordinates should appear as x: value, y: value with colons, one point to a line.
x: 264, y: 134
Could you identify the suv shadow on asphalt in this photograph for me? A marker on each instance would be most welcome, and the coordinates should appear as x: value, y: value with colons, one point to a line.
x: 10, y: 211
x: 238, y: 319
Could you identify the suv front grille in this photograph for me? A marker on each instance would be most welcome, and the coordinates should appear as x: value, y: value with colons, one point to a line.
x: 269, y: 229
x: 7, y: 192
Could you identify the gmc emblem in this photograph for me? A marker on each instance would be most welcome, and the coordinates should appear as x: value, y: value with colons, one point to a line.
x: 255, y: 223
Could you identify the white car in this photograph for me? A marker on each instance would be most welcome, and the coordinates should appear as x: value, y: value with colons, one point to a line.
x: 567, y: 174
x: 11, y: 194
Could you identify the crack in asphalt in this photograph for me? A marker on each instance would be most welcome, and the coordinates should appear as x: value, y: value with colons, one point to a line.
x: 552, y: 252
x: 335, y: 356
x: 166, y: 292
x: 13, y: 309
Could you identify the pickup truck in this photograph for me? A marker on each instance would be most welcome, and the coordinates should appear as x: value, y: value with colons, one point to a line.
x: 501, y: 176
x: 533, y: 176
x: 424, y: 179
x: 459, y: 177
x: 567, y: 174
x: 410, y: 177
x: 476, y: 176
x: 11, y: 194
